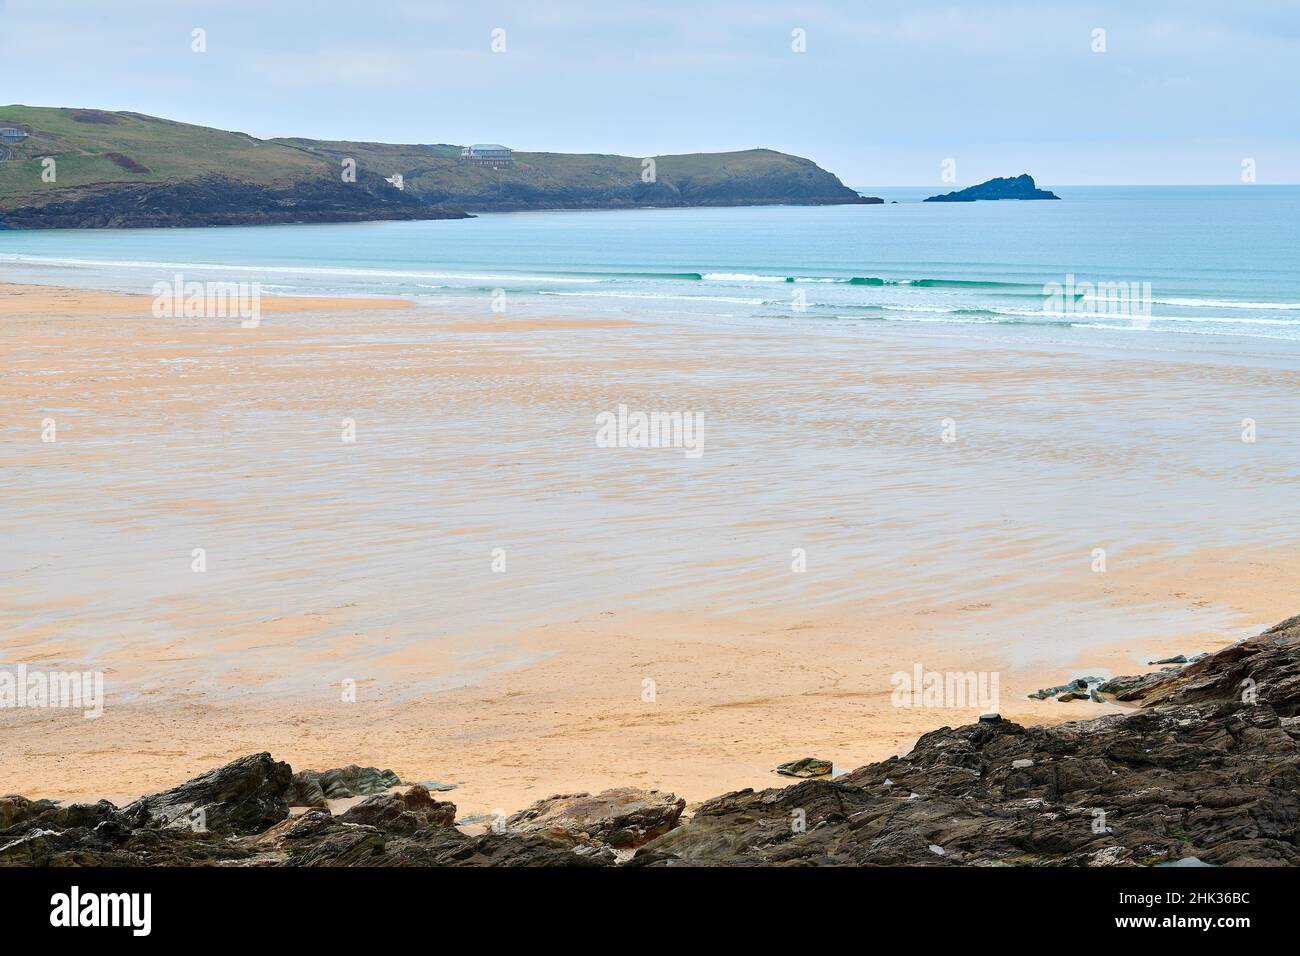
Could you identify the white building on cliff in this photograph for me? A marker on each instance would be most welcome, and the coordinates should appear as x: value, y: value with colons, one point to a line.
x: 488, y: 154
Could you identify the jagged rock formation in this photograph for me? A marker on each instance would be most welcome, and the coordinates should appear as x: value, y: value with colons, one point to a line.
x: 806, y: 767
x: 1208, y: 767
x: 1010, y: 187
x: 407, y: 812
x: 622, y: 818
x: 245, y: 796
x: 1265, y: 668
x: 312, y: 788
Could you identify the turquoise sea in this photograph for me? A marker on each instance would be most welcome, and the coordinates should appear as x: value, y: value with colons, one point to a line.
x: 1221, y: 261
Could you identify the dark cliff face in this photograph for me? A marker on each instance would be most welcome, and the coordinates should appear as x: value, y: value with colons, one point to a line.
x: 1012, y: 187
x: 216, y: 201
x: 760, y: 191
x: 220, y: 201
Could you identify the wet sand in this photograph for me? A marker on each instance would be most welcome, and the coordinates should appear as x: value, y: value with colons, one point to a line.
x: 373, y: 561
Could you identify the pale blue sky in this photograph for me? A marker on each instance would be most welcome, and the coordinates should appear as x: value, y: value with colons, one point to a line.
x: 886, y: 91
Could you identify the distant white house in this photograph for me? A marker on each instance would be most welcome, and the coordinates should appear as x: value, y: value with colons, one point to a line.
x: 12, y: 134
x: 488, y: 154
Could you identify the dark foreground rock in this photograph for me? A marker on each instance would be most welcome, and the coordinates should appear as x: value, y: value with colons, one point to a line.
x: 1133, y: 687
x: 1010, y: 187
x: 807, y: 767
x: 1263, y: 669
x: 312, y: 788
x: 402, y: 812
x: 388, y: 829
x: 1206, y: 769
x: 621, y: 818
x: 1217, y: 784
x: 245, y: 796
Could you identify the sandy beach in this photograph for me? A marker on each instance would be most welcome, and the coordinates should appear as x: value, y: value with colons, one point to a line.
x: 524, y: 613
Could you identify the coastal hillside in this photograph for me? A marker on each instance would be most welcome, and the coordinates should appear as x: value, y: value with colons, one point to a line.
x: 128, y: 169
x: 594, y: 181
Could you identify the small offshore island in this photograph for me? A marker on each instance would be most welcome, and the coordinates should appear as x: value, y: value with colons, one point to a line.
x: 89, y: 168
x: 1009, y: 187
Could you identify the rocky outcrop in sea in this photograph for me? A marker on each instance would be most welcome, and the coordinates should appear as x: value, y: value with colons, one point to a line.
x: 1010, y: 187
x: 1205, y: 768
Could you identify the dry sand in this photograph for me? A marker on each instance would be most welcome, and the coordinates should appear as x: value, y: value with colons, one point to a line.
x: 371, y: 561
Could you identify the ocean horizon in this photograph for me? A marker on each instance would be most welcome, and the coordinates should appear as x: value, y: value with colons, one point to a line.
x: 1172, y: 255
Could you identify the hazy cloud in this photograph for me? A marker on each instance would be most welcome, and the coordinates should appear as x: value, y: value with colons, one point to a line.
x: 882, y: 95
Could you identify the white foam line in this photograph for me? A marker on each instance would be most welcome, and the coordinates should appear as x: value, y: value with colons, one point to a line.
x: 1228, y: 304
x: 675, y: 298
x: 294, y: 270
x: 740, y: 277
